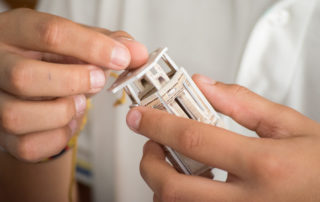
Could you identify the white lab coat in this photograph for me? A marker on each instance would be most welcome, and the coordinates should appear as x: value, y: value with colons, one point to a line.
x: 272, y: 47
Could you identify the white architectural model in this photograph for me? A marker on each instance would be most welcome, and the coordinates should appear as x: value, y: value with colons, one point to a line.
x: 161, y: 84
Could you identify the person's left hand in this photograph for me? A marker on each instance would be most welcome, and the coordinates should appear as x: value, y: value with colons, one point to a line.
x: 283, y: 165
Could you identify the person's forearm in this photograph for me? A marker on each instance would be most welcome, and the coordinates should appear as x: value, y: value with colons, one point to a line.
x: 48, y: 181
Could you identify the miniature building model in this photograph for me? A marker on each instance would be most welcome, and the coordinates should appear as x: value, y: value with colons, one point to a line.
x: 161, y: 84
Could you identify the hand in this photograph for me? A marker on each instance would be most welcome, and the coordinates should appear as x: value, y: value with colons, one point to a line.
x: 282, y: 165
x: 47, y: 67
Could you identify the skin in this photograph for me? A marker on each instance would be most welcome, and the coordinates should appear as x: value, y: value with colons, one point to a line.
x: 282, y: 165
x: 48, y: 67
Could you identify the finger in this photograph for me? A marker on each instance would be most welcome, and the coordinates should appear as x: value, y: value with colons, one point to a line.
x: 168, y: 185
x: 138, y: 52
x: 35, y: 147
x: 43, y: 32
x: 32, y: 78
x: 208, y: 144
x: 43, y: 56
x: 267, y: 118
x: 155, y: 198
x: 21, y: 116
x: 60, y: 59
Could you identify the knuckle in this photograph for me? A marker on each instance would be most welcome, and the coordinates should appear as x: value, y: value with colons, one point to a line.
x: 66, y: 111
x: 144, y: 163
x: 72, y: 83
x: 20, y: 77
x: 190, y: 138
x: 95, y: 46
x: 79, y: 80
x: 239, y: 90
x: 267, y: 165
x: 26, y: 151
x: 142, y: 168
x: 62, y: 138
x: 51, y: 31
x: 168, y: 192
x: 272, y: 166
x: 10, y: 119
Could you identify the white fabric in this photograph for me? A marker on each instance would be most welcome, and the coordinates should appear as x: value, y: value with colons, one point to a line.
x: 270, y: 46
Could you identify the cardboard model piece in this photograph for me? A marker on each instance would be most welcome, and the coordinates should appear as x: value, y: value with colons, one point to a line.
x: 161, y: 84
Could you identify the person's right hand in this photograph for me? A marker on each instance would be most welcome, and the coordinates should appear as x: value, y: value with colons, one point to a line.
x: 47, y: 66
x: 283, y: 165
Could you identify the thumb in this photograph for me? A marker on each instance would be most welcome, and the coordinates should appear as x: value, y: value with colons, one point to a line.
x: 254, y: 112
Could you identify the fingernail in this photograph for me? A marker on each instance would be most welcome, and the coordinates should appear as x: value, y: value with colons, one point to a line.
x: 206, y: 80
x: 73, y: 126
x: 124, y: 39
x: 80, y: 103
x: 133, y: 119
x: 97, y: 80
x: 120, y: 57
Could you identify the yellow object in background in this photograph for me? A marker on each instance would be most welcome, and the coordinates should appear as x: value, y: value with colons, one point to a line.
x: 73, y: 144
